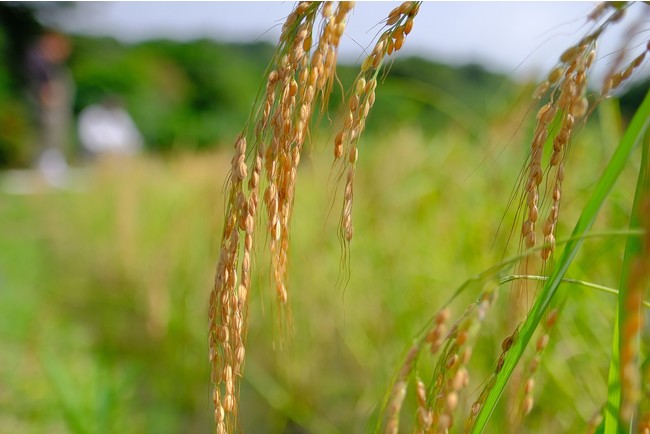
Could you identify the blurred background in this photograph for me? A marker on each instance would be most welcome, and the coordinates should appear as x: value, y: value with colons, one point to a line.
x: 116, y: 126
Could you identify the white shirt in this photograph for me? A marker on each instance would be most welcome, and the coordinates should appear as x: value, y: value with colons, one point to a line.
x: 108, y: 130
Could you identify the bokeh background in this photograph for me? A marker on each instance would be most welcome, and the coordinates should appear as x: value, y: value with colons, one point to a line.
x: 108, y: 247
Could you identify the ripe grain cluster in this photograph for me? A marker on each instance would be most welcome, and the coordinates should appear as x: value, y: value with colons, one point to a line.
x: 264, y: 172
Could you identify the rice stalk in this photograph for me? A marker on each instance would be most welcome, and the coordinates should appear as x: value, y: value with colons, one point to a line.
x: 268, y: 156
x: 618, y: 161
x: 266, y: 161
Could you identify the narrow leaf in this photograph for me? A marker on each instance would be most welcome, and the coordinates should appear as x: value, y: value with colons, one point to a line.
x: 628, y: 142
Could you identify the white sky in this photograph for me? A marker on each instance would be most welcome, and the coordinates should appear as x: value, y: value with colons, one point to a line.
x: 516, y: 38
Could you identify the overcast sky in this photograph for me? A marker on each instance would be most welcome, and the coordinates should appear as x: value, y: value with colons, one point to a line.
x: 518, y: 38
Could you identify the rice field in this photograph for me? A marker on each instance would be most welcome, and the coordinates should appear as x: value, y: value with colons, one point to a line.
x: 104, y: 302
x: 337, y: 280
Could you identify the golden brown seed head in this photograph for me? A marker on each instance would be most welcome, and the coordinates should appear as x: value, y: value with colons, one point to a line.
x: 371, y: 85
x: 338, y: 145
x: 273, y: 77
x: 229, y: 403
x: 548, y: 228
x: 570, y: 54
x: 240, y: 145
x: 527, y: 405
x: 365, y: 66
x: 354, y: 154
x: 467, y: 354
x: 361, y: 85
x: 555, y: 74
x: 530, y: 384
x: 549, y: 240
x: 541, y: 89
x: 452, y: 360
x: 618, y: 15
x: 526, y: 227
x: 540, y: 138
x: 354, y: 103
x: 542, y: 342
x: 349, y: 232
x: 444, y: 422
x: 452, y: 401
x: 461, y: 338
x: 414, y: 11
x: 607, y: 85
x: 507, y: 343
x: 533, y: 214
x: 421, y: 392
x: 393, y: 17
x: 219, y: 414
x: 552, y: 318
x: 399, y: 40
x: 627, y: 72
x: 590, y: 59
x: 408, y: 26
x: 555, y: 157
x: 306, y: 44
x: 405, y: 7
x: 500, y: 362
x: 379, y: 48
x: 240, y: 171
x: 598, y: 11
x: 530, y: 239
x: 327, y: 10
x: 349, y: 120
x: 542, y: 111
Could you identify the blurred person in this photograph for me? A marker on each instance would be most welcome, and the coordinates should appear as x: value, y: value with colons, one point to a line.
x: 51, y: 89
x: 107, y: 128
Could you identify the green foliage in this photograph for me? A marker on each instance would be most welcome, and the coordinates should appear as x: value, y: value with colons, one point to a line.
x: 619, y: 160
x: 102, y: 315
x: 181, y: 95
x: 102, y: 307
x: 196, y: 95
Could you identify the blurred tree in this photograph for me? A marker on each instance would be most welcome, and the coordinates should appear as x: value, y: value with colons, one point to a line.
x: 19, y: 28
x: 197, y: 94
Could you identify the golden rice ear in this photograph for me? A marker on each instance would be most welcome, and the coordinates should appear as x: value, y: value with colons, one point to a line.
x: 438, y: 405
x: 362, y: 98
x: 266, y: 161
x: 569, y: 81
x: 301, y: 77
x: 227, y: 307
x: 614, y: 80
x: 566, y: 89
x: 528, y: 400
x: 276, y: 141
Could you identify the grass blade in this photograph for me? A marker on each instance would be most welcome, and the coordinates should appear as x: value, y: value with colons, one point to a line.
x: 632, y: 136
x: 633, y: 247
x: 610, y: 422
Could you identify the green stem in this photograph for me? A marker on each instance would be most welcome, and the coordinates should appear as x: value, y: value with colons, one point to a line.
x: 616, y: 165
x: 591, y: 285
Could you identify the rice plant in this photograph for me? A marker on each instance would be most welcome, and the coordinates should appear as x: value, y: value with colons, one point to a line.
x: 436, y: 372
